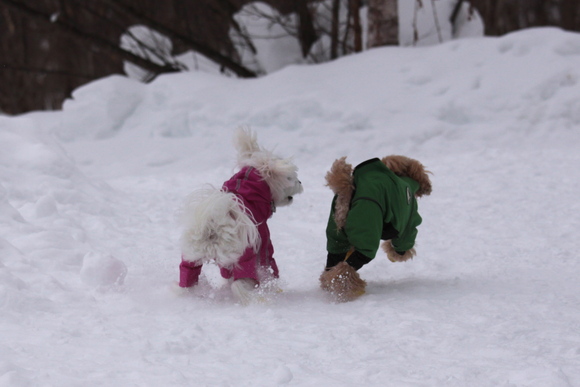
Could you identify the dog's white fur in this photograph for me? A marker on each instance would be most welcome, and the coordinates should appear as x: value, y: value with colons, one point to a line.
x: 217, y: 225
x: 280, y: 174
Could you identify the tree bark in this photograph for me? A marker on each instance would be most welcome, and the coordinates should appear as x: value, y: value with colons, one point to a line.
x: 570, y: 14
x: 356, y: 26
x: 504, y: 16
x: 335, y: 26
x: 306, y: 33
x: 90, y: 38
x: 48, y: 48
x: 383, y: 23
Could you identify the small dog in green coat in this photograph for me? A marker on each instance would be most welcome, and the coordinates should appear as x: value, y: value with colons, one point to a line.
x: 375, y: 201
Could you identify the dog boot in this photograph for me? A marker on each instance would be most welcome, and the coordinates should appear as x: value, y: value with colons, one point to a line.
x: 188, y: 273
x: 343, y: 282
x: 244, y: 289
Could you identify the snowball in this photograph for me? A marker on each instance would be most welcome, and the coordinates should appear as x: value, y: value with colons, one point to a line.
x: 102, y: 270
x: 283, y: 375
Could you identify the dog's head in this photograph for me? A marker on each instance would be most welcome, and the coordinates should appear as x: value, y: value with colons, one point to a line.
x: 280, y: 174
x: 405, y: 166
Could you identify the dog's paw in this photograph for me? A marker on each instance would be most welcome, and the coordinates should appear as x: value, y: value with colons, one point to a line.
x: 343, y: 283
x: 179, y: 291
x: 245, y: 291
x: 395, y: 256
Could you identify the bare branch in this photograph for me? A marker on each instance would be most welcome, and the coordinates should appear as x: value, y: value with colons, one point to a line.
x: 172, y: 34
x: 436, y: 20
x: 94, y: 39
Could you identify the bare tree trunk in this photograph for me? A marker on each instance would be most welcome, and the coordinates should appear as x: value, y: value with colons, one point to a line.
x: 383, y: 19
x: 335, y: 24
x: 306, y: 32
x: 486, y: 10
x: 570, y: 14
x: 356, y: 27
x: 504, y: 16
x: 50, y: 47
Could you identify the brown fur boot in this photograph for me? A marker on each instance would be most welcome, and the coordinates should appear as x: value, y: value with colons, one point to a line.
x: 343, y: 282
x: 394, y: 256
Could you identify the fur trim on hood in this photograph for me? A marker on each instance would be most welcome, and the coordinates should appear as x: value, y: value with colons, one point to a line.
x: 340, y: 181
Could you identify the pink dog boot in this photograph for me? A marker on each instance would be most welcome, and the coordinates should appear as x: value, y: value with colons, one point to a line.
x: 188, y: 274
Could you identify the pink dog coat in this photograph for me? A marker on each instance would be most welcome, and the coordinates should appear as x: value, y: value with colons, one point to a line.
x: 249, y: 186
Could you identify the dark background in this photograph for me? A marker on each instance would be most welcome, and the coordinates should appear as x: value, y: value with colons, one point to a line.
x: 50, y: 47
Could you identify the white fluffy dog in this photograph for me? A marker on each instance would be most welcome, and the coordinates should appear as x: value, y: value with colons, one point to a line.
x: 229, y: 225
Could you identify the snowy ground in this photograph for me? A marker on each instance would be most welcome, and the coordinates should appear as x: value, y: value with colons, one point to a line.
x: 89, y: 240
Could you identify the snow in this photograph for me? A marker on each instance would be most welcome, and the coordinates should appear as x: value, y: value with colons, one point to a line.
x: 89, y: 237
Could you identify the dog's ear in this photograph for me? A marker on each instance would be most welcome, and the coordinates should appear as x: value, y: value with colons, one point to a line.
x: 278, y: 173
x: 284, y: 170
x: 246, y: 143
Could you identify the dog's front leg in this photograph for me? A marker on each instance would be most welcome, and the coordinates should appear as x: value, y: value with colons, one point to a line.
x: 189, y: 273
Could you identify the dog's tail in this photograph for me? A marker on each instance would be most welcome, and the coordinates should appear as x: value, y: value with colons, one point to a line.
x: 217, y: 226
